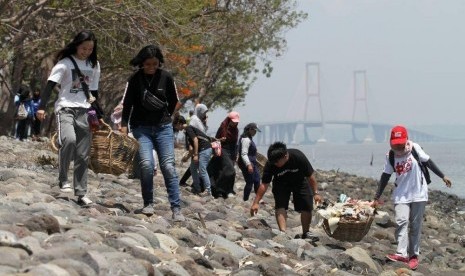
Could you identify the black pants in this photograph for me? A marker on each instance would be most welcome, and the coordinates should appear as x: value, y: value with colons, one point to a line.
x: 222, y: 175
x: 36, y: 127
x: 187, y: 174
x: 21, y: 129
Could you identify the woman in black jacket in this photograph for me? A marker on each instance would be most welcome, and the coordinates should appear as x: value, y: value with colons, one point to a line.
x: 148, y: 104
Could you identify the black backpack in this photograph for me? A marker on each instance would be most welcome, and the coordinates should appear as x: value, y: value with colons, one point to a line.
x: 423, y: 165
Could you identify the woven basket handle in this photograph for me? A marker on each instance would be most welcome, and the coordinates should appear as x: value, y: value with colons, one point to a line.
x: 107, y: 125
x: 53, y: 140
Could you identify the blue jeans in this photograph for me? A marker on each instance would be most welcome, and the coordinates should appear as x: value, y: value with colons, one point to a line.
x: 251, y: 180
x: 199, y: 171
x: 161, y: 139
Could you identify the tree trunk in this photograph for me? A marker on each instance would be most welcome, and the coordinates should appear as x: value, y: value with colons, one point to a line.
x: 7, y: 107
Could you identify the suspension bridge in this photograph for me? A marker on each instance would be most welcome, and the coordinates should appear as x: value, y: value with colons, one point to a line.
x: 310, y: 131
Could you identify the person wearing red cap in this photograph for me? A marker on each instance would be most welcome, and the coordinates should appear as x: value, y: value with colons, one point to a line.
x: 410, y: 193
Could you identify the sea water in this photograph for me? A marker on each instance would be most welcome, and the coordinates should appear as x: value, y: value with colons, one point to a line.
x: 368, y: 160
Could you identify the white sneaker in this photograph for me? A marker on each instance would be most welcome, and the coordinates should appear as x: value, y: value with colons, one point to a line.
x: 84, y: 200
x: 66, y: 188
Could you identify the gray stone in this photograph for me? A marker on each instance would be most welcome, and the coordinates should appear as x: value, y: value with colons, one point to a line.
x: 7, y: 270
x: 74, y: 267
x: 32, y: 243
x: 6, y: 174
x: 44, y: 223
x: 261, y: 234
x: 220, y: 243
x: 137, y: 238
x: 49, y: 270
x: 173, y: 268
x: 167, y: 243
x: 10, y: 256
x: 361, y: 255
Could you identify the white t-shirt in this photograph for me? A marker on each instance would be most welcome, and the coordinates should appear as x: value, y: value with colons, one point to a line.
x: 245, y: 150
x: 411, y: 185
x: 71, y: 94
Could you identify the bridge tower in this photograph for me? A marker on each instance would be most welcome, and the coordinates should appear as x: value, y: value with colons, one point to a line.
x: 360, y: 95
x: 313, y: 90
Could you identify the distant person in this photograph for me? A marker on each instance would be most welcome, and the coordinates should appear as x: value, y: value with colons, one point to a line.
x: 71, y: 106
x: 198, y: 119
x: 221, y: 168
x: 200, y: 146
x: 291, y: 173
x: 247, y: 160
x: 188, y: 119
x: 229, y: 133
x: 24, y: 112
x: 148, y: 104
x: 35, y: 121
x: 410, y: 194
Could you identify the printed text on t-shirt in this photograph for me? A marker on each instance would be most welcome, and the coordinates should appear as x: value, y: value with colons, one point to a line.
x: 286, y: 171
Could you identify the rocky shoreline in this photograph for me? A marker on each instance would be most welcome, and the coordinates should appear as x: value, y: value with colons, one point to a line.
x: 44, y: 232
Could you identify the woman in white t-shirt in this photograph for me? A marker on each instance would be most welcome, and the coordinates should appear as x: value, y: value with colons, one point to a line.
x: 410, y: 194
x: 71, y: 106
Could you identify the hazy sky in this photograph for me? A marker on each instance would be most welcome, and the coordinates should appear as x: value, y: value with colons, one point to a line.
x: 413, y: 52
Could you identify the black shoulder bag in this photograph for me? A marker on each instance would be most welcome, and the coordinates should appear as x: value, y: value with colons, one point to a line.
x: 152, y: 102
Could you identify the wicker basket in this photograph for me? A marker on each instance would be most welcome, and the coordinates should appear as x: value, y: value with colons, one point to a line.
x: 349, y: 230
x: 110, y: 152
x: 261, y: 160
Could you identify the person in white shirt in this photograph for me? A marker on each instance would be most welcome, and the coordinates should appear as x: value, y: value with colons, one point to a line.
x: 247, y: 161
x: 71, y: 106
x: 410, y: 193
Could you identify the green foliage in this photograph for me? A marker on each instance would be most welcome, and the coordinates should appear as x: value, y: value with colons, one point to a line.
x: 214, y: 48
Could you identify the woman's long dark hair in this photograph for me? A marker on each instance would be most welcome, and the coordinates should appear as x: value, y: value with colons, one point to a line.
x: 24, y: 92
x: 149, y: 51
x: 225, y: 130
x: 71, y: 48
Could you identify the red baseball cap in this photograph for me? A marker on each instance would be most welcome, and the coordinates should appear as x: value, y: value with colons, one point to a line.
x: 399, y: 135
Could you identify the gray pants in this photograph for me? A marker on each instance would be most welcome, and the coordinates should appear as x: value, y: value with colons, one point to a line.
x: 74, y: 137
x: 409, y: 219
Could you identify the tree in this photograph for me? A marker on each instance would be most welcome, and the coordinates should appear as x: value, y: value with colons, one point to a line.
x: 215, y: 49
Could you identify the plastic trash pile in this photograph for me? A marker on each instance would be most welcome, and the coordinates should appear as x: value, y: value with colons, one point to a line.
x: 346, y: 209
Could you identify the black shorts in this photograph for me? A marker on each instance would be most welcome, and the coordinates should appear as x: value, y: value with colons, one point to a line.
x: 301, y: 194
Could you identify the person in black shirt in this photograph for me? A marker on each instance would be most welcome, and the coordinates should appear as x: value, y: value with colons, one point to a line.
x: 149, y: 102
x: 291, y: 172
x: 201, y: 148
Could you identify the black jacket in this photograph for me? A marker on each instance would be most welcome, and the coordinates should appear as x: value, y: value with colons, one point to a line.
x: 132, y: 101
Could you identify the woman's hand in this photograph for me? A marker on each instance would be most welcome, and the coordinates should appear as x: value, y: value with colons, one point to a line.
x: 318, y: 199
x: 250, y: 168
x: 254, y: 209
x: 124, y: 130
x: 447, y: 181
